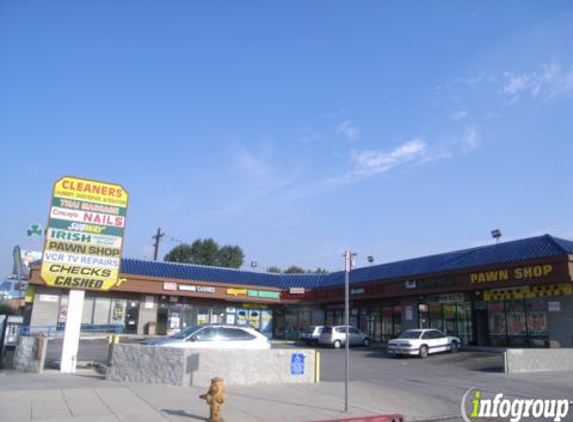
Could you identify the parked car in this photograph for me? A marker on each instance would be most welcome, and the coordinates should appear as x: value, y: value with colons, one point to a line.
x: 423, y: 342
x: 215, y: 336
x: 311, y: 334
x: 335, y: 336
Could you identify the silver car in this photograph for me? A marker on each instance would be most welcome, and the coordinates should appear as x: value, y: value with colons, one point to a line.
x: 214, y: 336
x: 335, y: 336
x: 311, y: 334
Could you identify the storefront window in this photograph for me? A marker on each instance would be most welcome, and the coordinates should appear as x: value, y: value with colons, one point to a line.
x: 516, y: 327
x: 218, y: 315
x: 291, y: 332
x: 317, y: 317
x: 518, y: 323
x: 436, y: 316
x: 397, y: 317
x: 202, y: 315
x: 423, y: 318
x: 242, y: 317
x: 497, y: 324
x: 266, y: 323
x: 255, y: 318
x: 450, y: 320
x: 88, y: 310
x: 329, y: 320
x: 536, y: 323
x: 465, y: 325
x: 102, y: 309
x: 387, y: 332
x: 303, y: 319
x: 118, y: 311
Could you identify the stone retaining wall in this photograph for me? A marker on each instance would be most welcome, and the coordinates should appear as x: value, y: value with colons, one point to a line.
x: 533, y: 360
x: 149, y: 364
x: 26, y: 356
x: 185, y: 367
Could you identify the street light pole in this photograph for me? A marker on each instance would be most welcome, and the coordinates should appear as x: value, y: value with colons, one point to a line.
x: 347, y: 266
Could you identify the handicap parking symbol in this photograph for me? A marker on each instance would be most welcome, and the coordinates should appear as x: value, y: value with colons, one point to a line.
x: 297, y: 364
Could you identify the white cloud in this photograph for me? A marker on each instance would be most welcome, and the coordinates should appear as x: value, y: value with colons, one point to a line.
x: 469, y: 139
x: 348, y: 130
x: 459, y: 115
x: 254, y: 165
x: 551, y: 81
x: 416, y: 151
x: 370, y: 162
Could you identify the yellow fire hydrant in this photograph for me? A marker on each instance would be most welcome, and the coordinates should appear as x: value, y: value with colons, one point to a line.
x: 215, y: 398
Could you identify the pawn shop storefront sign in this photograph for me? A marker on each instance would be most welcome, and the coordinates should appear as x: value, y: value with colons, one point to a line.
x: 526, y: 273
x: 84, y: 237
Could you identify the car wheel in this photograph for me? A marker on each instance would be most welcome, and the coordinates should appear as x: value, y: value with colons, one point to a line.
x: 337, y: 344
x: 424, y: 351
x: 454, y: 347
x: 366, y: 342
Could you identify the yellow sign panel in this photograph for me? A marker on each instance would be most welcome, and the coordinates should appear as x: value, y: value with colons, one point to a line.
x: 90, y: 191
x: 84, y: 238
x: 529, y: 292
x: 236, y: 292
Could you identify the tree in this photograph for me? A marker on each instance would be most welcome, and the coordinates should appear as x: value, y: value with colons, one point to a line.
x: 180, y: 253
x: 204, y: 252
x: 6, y: 309
x: 274, y: 269
x: 230, y: 256
x: 293, y: 269
x: 320, y: 271
x: 207, y: 252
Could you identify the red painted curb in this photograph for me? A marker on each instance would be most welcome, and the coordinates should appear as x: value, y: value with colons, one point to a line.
x: 380, y: 418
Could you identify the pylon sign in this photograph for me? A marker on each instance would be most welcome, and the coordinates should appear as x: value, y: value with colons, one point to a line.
x: 84, y: 237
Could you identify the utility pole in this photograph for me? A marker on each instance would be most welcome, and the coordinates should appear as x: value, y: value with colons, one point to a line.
x: 157, y: 238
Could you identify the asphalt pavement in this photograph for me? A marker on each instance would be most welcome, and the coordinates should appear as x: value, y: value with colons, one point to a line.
x: 420, y: 389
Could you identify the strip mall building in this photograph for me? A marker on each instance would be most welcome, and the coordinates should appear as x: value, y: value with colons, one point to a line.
x: 517, y: 293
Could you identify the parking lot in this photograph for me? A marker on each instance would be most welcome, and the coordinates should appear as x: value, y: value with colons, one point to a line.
x: 367, y: 363
x: 420, y: 388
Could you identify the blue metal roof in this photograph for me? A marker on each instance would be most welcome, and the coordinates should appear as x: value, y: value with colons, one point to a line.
x: 544, y: 246
x: 538, y: 247
x: 218, y: 275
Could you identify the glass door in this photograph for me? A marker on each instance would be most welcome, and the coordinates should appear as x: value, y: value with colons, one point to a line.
x: 465, y: 325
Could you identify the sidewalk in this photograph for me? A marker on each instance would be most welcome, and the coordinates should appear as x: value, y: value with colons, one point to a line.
x: 86, y: 397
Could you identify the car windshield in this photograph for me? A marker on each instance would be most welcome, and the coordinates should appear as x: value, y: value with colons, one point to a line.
x: 327, y: 330
x: 410, y: 334
x: 186, y: 332
x: 309, y: 329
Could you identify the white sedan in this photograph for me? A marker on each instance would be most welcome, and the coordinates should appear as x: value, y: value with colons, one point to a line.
x: 214, y: 337
x: 422, y: 342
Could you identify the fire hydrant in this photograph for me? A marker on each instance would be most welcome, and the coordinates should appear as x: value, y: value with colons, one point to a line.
x: 215, y: 398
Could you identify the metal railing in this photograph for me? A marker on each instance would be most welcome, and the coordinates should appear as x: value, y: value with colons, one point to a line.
x: 52, y: 331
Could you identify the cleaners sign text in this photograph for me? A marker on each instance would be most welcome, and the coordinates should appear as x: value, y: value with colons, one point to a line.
x: 85, y: 235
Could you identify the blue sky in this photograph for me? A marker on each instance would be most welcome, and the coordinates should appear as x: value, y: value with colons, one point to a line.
x: 294, y: 129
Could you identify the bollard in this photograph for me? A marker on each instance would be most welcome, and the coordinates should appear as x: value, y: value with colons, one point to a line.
x: 215, y: 398
x: 316, y: 367
x: 42, y: 341
x: 113, y: 339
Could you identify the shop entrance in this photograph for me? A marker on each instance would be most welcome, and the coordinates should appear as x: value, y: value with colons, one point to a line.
x: 259, y: 319
x: 131, y: 317
x: 443, y: 313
